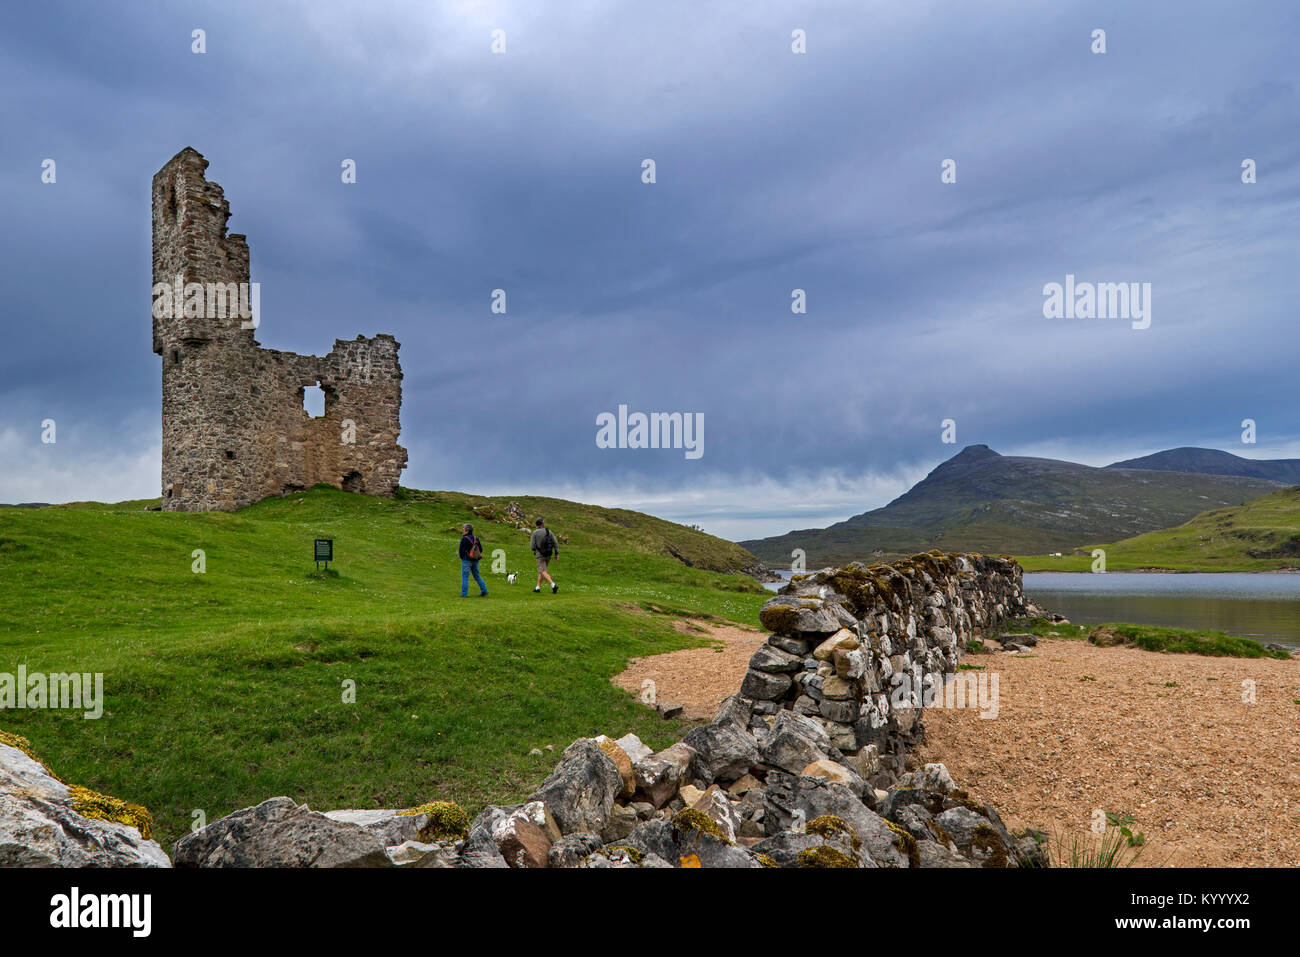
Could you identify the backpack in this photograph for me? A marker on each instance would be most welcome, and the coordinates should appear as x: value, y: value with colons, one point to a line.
x: 475, y: 550
x: 548, y: 548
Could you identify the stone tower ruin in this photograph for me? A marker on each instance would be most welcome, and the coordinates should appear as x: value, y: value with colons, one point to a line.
x: 234, y: 429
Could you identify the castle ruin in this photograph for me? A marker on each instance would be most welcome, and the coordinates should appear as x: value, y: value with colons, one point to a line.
x: 234, y: 429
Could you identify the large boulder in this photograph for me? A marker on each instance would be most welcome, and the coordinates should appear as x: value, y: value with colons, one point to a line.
x: 723, y: 751
x: 46, y: 823
x: 793, y: 743
x: 690, y: 839
x: 797, y: 617
x: 580, y: 792
x: 280, y: 833
x: 789, y: 800
x: 825, y: 846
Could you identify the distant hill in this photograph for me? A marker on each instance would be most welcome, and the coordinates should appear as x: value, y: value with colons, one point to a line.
x: 1261, y: 535
x: 979, y: 500
x: 1215, y: 462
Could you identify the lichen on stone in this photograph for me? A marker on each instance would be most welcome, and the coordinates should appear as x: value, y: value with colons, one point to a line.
x: 766, y: 861
x: 447, y: 821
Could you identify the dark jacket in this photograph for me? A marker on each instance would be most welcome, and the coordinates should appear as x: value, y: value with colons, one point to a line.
x: 466, y: 543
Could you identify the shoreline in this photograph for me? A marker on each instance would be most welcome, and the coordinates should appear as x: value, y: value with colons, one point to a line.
x: 1203, y: 752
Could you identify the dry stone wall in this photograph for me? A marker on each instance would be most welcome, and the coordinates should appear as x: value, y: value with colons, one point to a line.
x: 233, y: 425
x: 857, y: 648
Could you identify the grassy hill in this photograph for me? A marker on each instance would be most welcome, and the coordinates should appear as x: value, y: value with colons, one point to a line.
x: 982, y: 501
x: 226, y: 688
x: 1262, y: 535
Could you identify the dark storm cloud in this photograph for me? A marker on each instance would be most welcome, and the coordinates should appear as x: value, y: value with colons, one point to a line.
x: 775, y: 172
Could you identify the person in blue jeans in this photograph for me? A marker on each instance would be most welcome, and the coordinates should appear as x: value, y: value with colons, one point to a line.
x: 471, y: 550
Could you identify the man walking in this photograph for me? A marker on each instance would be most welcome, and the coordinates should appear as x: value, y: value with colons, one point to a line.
x: 471, y: 550
x: 545, y: 547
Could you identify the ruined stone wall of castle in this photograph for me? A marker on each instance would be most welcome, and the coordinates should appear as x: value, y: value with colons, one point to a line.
x: 233, y: 425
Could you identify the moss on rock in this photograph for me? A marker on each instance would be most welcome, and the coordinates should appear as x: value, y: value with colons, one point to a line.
x: 102, y: 807
x: 906, y: 843
x: 985, y: 838
x: 634, y: 854
x: 824, y: 857
x: 828, y: 825
x: 447, y: 821
x: 689, y: 819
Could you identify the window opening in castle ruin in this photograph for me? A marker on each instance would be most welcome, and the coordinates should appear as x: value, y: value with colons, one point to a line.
x: 313, y: 400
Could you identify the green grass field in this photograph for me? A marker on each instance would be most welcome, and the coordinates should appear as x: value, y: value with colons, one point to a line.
x: 226, y: 688
x: 1262, y: 535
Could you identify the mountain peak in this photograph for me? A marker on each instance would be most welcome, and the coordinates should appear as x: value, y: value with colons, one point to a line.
x: 975, y: 453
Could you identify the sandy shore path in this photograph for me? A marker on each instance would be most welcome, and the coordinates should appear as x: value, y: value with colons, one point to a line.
x: 1212, y: 780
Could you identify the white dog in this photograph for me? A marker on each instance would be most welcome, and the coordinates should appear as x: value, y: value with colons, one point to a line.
x: 510, y: 579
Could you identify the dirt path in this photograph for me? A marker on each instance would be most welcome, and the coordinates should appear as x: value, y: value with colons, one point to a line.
x: 697, y: 678
x: 1209, y: 779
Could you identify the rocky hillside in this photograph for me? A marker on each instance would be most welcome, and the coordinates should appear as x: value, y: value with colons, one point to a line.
x: 1215, y: 462
x: 979, y: 500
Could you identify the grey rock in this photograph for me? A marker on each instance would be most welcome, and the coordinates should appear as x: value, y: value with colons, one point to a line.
x: 934, y: 854
x: 572, y: 850
x: 773, y: 660
x: 976, y: 837
x: 800, y: 617
x: 723, y: 751
x: 280, y: 833
x: 795, y: 646
x: 671, y: 843
x: 658, y: 777
x: 764, y: 686
x: 787, y: 795
x: 580, y: 792
x: 794, y: 743
x: 39, y: 828
x: 391, y: 827
x: 735, y: 709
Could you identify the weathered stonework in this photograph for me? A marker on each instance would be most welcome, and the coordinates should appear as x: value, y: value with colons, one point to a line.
x: 233, y: 425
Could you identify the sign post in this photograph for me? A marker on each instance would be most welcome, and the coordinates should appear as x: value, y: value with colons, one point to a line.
x: 324, y: 552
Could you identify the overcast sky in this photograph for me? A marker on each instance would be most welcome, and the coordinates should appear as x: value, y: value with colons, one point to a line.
x: 775, y: 171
